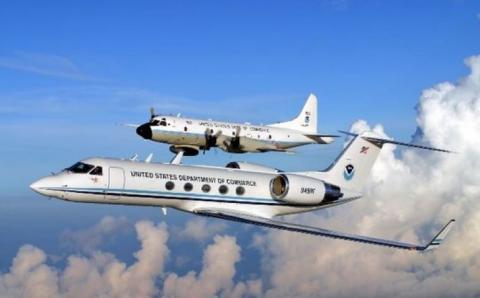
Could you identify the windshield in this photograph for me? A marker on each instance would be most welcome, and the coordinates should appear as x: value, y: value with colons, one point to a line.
x: 163, y: 122
x: 80, y: 167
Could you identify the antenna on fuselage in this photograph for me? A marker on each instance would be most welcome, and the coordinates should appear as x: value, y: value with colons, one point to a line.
x: 149, y: 158
x: 134, y: 157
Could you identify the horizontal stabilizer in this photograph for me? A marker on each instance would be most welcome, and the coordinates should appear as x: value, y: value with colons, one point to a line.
x: 380, y: 142
x: 270, y: 223
x: 322, y: 139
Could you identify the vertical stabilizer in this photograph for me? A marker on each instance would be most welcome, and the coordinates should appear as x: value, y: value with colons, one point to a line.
x: 306, y: 121
x: 351, y: 169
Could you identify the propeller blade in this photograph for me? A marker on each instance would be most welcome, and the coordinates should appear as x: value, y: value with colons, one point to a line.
x: 129, y: 125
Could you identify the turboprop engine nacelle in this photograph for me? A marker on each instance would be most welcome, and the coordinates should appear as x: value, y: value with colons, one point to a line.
x: 251, y: 167
x: 303, y: 190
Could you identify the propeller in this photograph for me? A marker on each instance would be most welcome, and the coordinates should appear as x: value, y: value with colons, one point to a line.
x: 235, y: 141
x: 210, y: 139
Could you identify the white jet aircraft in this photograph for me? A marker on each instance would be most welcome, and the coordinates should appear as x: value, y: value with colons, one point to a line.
x: 240, y: 192
x: 193, y: 135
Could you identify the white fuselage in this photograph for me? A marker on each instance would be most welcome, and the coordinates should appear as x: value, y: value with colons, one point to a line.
x: 186, y: 188
x: 194, y: 132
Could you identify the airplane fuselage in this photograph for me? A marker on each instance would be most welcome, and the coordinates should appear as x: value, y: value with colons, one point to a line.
x: 207, y: 133
x: 186, y: 188
x: 236, y: 192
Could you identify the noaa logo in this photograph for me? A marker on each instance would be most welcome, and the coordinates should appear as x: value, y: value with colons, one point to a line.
x: 307, y: 119
x: 348, y: 172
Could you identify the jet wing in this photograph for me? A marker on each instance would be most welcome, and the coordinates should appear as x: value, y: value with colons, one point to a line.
x: 270, y: 223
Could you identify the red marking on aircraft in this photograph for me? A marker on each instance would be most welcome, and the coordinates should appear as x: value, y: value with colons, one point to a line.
x: 364, y: 150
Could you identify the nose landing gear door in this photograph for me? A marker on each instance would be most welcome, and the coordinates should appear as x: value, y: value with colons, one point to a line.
x: 116, y: 183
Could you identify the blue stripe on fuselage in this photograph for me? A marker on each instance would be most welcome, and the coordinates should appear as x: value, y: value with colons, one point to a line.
x: 176, y: 195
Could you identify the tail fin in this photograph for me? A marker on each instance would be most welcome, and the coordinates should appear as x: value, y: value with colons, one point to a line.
x: 351, y: 169
x: 306, y: 121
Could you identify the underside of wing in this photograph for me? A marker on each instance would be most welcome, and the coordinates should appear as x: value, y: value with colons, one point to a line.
x: 270, y: 223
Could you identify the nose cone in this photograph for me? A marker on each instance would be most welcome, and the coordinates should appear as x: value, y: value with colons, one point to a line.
x: 46, y: 186
x: 35, y: 186
x: 145, y: 131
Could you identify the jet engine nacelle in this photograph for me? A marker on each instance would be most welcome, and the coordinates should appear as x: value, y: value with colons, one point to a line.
x: 302, y: 190
x: 251, y: 167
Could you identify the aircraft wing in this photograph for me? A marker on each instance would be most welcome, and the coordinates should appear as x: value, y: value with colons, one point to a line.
x: 270, y: 223
x: 249, y: 144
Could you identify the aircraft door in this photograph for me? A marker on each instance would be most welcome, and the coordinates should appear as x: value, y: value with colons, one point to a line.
x: 116, y: 183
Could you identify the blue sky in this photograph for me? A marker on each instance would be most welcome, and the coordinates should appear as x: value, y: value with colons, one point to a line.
x: 71, y: 72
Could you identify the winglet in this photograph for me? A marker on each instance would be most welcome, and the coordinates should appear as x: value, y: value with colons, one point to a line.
x: 437, y: 240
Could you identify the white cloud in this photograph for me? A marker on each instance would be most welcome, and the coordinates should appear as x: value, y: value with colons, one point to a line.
x: 44, y: 64
x: 101, y: 275
x: 200, y: 229
x: 88, y: 240
x: 217, y: 272
x: 29, y: 276
x: 408, y: 197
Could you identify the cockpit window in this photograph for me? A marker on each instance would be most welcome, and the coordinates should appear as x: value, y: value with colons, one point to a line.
x: 97, y: 171
x: 162, y: 122
x: 80, y: 167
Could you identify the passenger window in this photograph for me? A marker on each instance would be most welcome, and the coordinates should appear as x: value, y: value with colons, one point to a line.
x: 97, y: 171
x: 240, y: 190
x: 80, y: 168
x: 223, y: 189
x: 185, y: 128
x: 169, y: 185
x: 188, y: 186
x: 206, y: 188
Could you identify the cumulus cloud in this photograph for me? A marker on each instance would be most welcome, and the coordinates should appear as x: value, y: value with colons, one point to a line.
x: 200, y: 229
x: 409, y: 196
x: 101, y: 275
x: 88, y: 240
x: 216, y: 276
